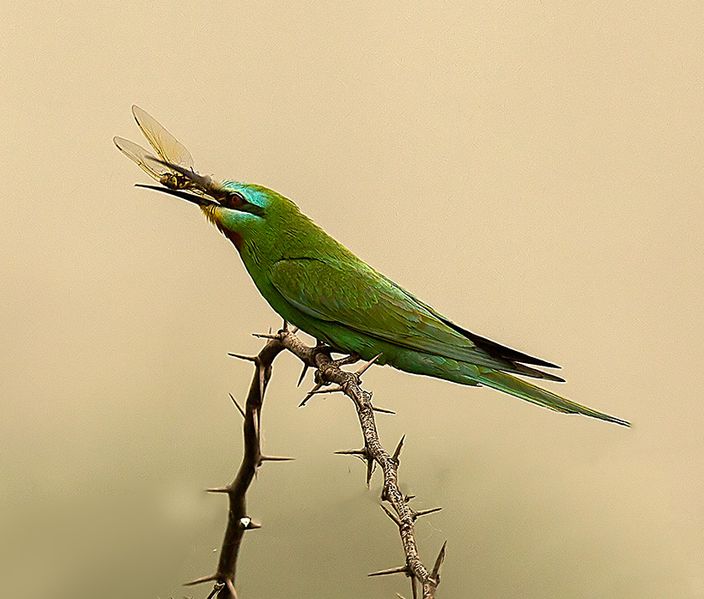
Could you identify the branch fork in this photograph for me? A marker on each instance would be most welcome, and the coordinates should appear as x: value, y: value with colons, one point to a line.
x: 329, y: 378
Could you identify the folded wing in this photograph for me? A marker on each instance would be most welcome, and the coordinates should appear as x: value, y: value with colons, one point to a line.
x: 362, y: 299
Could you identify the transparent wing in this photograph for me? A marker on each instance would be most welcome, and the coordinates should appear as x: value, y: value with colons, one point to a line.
x: 166, y: 145
x: 173, y: 164
x: 145, y: 160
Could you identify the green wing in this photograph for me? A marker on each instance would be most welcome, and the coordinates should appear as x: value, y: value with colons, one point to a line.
x: 358, y: 297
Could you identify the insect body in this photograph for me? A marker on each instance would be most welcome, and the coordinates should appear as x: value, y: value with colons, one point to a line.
x: 173, y: 166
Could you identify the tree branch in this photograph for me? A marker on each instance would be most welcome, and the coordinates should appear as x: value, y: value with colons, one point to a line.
x: 238, y: 522
x: 327, y: 372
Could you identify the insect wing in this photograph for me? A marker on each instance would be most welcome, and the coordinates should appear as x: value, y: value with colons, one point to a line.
x: 165, y: 144
x: 145, y: 160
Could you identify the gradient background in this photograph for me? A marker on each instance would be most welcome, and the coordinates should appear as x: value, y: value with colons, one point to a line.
x: 533, y: 171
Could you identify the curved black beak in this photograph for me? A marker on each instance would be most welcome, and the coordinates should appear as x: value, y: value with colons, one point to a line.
x: 189, y: 197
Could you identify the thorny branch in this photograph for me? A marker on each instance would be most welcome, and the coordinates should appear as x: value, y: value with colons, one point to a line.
x: 238, y: 522
x: 327, y: 372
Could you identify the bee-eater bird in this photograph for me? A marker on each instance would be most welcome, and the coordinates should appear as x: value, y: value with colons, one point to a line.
x: 318, y: 285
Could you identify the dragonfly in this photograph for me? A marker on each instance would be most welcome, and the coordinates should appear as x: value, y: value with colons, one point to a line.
x: 173, y: 165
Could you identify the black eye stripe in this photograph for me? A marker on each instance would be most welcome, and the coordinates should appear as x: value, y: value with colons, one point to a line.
x: 252, y: 208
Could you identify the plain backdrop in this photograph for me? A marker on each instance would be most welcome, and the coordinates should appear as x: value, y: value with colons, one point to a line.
x: 533, y: 170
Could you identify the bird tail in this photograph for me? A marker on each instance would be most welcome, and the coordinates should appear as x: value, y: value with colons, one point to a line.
x: 542, y: 397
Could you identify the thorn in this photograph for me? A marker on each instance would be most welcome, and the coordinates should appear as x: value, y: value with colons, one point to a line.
x: 370, y: 468
x: 303, y: 374
x: 231, y: 588
x: 218, y: 490
x: 383, y: 410
x: 420, y: 513
x: 285, y: 326
x: 239, y: 407
x: 390, y: 514
x: 294, y: 330
x: 435, y: 574
x: 397, y: 451
x: 367, y: 365
x: 265, y: 336
x: 310, y: 394
x: 399, y: 570
x: 356, y: 452
x: 365, y: 456
x: 243, y: 357
x: 275, y: 458
x: 201, y: 580
x: 248, y: 524
x: 408, y: 498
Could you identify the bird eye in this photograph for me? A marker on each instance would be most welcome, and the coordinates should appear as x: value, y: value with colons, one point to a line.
x: 233, y: 200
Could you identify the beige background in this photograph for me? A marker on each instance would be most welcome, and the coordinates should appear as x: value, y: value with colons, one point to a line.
x: 533, y: 171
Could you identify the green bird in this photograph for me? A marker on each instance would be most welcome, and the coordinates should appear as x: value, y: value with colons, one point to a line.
x: 318, y: 285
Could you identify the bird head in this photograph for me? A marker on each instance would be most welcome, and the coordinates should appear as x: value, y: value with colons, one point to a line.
x: 242, y: 212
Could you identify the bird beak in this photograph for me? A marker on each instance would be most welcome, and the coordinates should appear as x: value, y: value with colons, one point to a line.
x: 189, y: 197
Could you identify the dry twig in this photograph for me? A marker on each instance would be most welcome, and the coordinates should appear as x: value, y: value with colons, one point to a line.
x: 238, y: 522
x: 327, y: 372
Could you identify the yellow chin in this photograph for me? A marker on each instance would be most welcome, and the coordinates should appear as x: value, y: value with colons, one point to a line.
x: 211, y: 212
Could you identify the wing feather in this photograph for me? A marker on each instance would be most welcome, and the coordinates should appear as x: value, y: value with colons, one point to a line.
x: 364, y: 300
